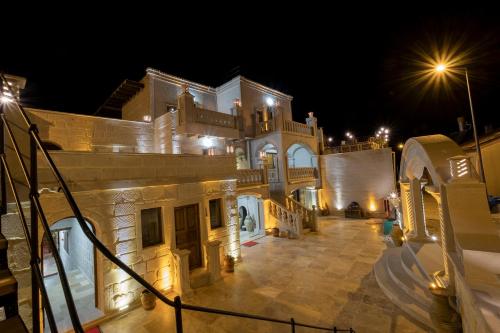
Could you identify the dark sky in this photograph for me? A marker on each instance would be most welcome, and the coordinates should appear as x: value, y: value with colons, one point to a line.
x: 348, y: 65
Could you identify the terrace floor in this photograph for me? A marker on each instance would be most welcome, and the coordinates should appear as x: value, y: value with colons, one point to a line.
x: 325, y: 279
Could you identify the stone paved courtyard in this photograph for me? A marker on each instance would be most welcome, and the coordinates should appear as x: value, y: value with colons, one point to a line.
x: 323, y: 279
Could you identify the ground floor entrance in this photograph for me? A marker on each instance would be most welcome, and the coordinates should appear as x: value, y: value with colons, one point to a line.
x: 306, y: 196
x: 187, y: 233
x: 78, y: 257
x: 251, y: 217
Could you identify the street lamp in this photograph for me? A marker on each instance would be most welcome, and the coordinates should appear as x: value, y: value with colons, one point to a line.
x: 442, y: 68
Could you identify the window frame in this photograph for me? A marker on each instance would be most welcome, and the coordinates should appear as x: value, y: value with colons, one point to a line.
x: 221, y: 210
x: 161, y: 240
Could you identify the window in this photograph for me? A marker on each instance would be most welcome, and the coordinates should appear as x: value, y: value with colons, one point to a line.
x: 215, y: 213
x: 152, y: 233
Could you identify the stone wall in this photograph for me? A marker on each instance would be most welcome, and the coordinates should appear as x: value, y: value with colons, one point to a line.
x: 115, y: 214
x: 75, y: 132
x: 366, y: 177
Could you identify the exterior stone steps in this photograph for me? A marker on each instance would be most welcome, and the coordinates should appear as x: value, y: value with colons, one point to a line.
x: 412, y: 268
x: 404, y: 280
x: 398, y: 291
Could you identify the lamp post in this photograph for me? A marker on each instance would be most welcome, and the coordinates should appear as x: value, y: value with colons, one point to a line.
x: 441, y: 68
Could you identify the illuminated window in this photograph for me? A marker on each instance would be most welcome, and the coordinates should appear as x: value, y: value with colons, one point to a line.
x: 215, y: 207
x: 152, y: 231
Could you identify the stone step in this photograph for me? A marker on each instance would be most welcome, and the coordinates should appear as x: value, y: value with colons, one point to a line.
x: 199, y: 278
x: 398, y: 296
x: 405, y: 281
x: 413, y: 269
x: 8, y: 294
x: 13, y: 325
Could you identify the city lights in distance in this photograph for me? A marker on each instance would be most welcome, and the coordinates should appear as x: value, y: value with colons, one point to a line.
x: 330, y: 139
x: 400, y: 146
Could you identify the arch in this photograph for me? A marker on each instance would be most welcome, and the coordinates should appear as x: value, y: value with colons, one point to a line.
x: 431, y: 152
x: 300, y: 155
x: 80, y: 262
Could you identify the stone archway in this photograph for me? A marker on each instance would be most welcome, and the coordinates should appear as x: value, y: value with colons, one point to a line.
x: 79, y: 260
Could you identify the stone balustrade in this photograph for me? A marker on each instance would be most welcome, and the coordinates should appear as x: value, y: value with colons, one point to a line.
x: 294, y: 127
x: 371, y: 143
x: 247, y: 177
x: 214, y: 118
x: 302, y: 174
x: 307, y: 216
x: 286, y: 219
x: 265, y: 127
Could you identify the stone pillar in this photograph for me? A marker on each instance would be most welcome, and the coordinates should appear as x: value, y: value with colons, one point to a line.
x: 312, y: 122
x: 406, y: 208
x: 182, y: 284
x: 314, y: 222
x: 212, y: 250
x: 419, y: 232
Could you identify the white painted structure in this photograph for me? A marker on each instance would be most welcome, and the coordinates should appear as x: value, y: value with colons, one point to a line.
x: 466, y: 253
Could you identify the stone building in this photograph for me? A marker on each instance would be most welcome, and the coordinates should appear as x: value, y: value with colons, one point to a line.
x: 185, y: 176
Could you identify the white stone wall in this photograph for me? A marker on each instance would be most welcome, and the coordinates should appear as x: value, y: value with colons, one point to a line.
x: 366, y: 177
x: 75, y: 132
x: 163, y: 134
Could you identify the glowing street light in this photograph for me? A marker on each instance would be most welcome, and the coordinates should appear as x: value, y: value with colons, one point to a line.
x: 442, y: 68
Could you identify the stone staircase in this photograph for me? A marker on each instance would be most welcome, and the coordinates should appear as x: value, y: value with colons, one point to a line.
x: 10, y: 321
x: 405, y: 283
x: 306, y: 215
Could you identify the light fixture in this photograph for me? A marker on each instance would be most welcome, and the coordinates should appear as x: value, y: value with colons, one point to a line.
x: 400, y: 146
x: 269, y: 101
x: 147, y: 118
x: 434, y: 238
x: 206, y: 142
x: 440, y: 68
x: 5, y: 99
x: 330, y: 139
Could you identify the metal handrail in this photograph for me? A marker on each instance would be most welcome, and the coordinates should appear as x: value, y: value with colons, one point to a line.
x: 34, y: 264
x: 177, y: 304
x: 34, y: 201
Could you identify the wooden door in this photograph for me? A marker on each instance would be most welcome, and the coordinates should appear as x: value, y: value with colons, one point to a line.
x: 187, y: 233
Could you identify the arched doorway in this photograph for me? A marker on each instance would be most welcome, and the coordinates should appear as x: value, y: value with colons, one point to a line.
x: 251, y: 217
x: 78, y: 256
x: 268, y: 156
x: 301, y: 156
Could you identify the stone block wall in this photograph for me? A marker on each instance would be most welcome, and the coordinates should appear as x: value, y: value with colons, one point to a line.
x: 115, y: 214
x: 75, y: 132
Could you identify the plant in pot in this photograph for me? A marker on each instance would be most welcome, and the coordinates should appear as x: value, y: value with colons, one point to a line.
x: 148, y: 300
x: 229, y: 263
x: 397, y: 235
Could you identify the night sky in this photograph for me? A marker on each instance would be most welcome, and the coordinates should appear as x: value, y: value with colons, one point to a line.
x: 350, y: 66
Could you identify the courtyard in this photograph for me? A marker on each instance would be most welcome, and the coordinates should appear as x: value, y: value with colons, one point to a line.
x: 325, y: 279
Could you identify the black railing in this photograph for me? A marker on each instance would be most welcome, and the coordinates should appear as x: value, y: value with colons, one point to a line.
x: 37, y: 212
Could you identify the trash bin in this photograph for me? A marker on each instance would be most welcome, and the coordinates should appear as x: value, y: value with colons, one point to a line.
x: 388, y: 227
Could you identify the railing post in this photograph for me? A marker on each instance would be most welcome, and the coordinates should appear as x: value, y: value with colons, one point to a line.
x: 3, y: 192
x: 178, y: 314
x: 334, y: 329
x: 292, y: 322
x: 35, y: 302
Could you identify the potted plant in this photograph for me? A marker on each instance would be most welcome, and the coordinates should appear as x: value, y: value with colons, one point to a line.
x: 148, y: 300
x: 397, y: 235
x: 229, y: 263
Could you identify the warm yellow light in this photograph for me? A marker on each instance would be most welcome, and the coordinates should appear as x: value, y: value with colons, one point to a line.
x: 401, y: 146
x: 440, y: 68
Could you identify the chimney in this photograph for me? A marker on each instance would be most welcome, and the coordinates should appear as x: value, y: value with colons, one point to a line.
x: 461, y: 124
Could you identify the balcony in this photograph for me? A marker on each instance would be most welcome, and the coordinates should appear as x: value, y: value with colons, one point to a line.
x: 369, y: 144
x: 290, y: 126
x: 287, y: 126
x: 214, y: 118
x: 296, y: 175
x: 87, y: 171
x: 251, y: 177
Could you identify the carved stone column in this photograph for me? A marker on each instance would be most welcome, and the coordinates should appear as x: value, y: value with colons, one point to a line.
x: 417, y: 202
x: 182, y: 284
x: 406, y: 208
x: 212, y: 249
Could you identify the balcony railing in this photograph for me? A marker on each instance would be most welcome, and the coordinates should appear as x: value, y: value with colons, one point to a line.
x: 247, y: 177
x: 265, y: 127
x: 214, y: 118
x: 302, y: 174
x: 370, y: 144
x: 291, y: 126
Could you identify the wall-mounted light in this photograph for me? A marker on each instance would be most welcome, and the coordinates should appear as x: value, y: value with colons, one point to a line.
x: 147, y: 118
x: 230, y: 149
x: 270, y: 101
x: 206, y: 141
